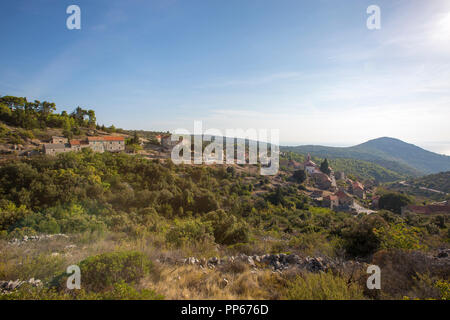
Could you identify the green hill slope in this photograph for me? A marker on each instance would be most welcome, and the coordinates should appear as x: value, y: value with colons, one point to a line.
x: 392, y: 154
x: 439, y: 181
x: 364, y: 170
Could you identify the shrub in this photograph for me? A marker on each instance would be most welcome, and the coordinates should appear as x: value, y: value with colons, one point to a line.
x: 399, y: 236
x: 360, y: 239
x: 189, y: 231
x: 393, y: 202
x: 444, y: 288
x: 226, y: 228
x: 41, y: 266
x: 402, y: 270
x: 103, y: 271
x: 299, y: 176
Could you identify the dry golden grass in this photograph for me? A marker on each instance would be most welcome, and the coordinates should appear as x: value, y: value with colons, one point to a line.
x: 193, y: 282
x: 44, y: 259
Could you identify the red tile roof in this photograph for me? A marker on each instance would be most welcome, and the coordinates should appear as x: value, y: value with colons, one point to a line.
x: 95, y: 138
x: 113, y: 138
x: 106, y: 138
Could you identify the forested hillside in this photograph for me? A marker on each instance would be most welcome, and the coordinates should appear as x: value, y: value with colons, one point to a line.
x: 439, y: 181
x: 30, y: 120
x: 392, y: 154
x: 363, y: 170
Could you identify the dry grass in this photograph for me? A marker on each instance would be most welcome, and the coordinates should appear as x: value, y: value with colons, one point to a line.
x: 45, y: 259
x: 192, y: 282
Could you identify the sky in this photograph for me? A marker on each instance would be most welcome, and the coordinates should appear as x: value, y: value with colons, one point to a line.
x: 311, y: 69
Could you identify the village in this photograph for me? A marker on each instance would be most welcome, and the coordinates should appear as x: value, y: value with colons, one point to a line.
x: 331, y: 189
x: 340, y: 193
x: 334, y: 190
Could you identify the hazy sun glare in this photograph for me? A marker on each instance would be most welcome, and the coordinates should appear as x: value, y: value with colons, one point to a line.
x: 441, y: 31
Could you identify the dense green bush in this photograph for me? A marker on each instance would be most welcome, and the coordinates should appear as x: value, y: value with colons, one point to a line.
x: 360, y: 239
x: 227, y: 228
x: 399, y: 236
x: 393, y: 202
x: 103, y: 271
x: 189, y: 232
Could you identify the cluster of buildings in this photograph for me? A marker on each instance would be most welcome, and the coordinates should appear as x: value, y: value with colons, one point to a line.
x: 321, y: 180
x: 342, y: 198
x: 97, y: 144
x: 166, y: 140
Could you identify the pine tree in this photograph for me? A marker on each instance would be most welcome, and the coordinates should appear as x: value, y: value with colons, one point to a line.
x: 324, y: 167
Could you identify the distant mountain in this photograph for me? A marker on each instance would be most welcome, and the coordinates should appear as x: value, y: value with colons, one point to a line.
x: 393, y: 154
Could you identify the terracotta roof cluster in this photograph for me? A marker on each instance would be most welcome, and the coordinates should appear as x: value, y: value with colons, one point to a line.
x: 106, y: 138
x: 111, y: 138
x: 77, y: 142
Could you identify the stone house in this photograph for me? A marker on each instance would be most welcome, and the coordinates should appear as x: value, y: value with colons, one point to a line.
x: 331, y: 201
x: 345, y: 200
x: 113, y: 144
x: 77, y: 145
x: 309, y: 165
x: 97, y: 144
x: 166, y: 141
x: 59, y: 140
x: 55, y: 148
x: 340, y: 175
x: 321, y: 180
x: 358, y: 190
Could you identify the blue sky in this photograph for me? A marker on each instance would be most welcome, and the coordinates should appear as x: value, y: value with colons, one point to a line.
x: 309, y: 68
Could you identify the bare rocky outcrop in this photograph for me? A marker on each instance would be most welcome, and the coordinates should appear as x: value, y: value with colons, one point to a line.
x: 277, y: 262
x: 25, y: 239
x: 9, y: 286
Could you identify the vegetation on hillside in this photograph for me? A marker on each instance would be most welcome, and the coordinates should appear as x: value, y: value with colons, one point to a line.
x: 393, y: 154
x: 30, y: 117
x: 123, y: 215
x: 439, y: 181
x: 363, y: 170
x: 192, y: 209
